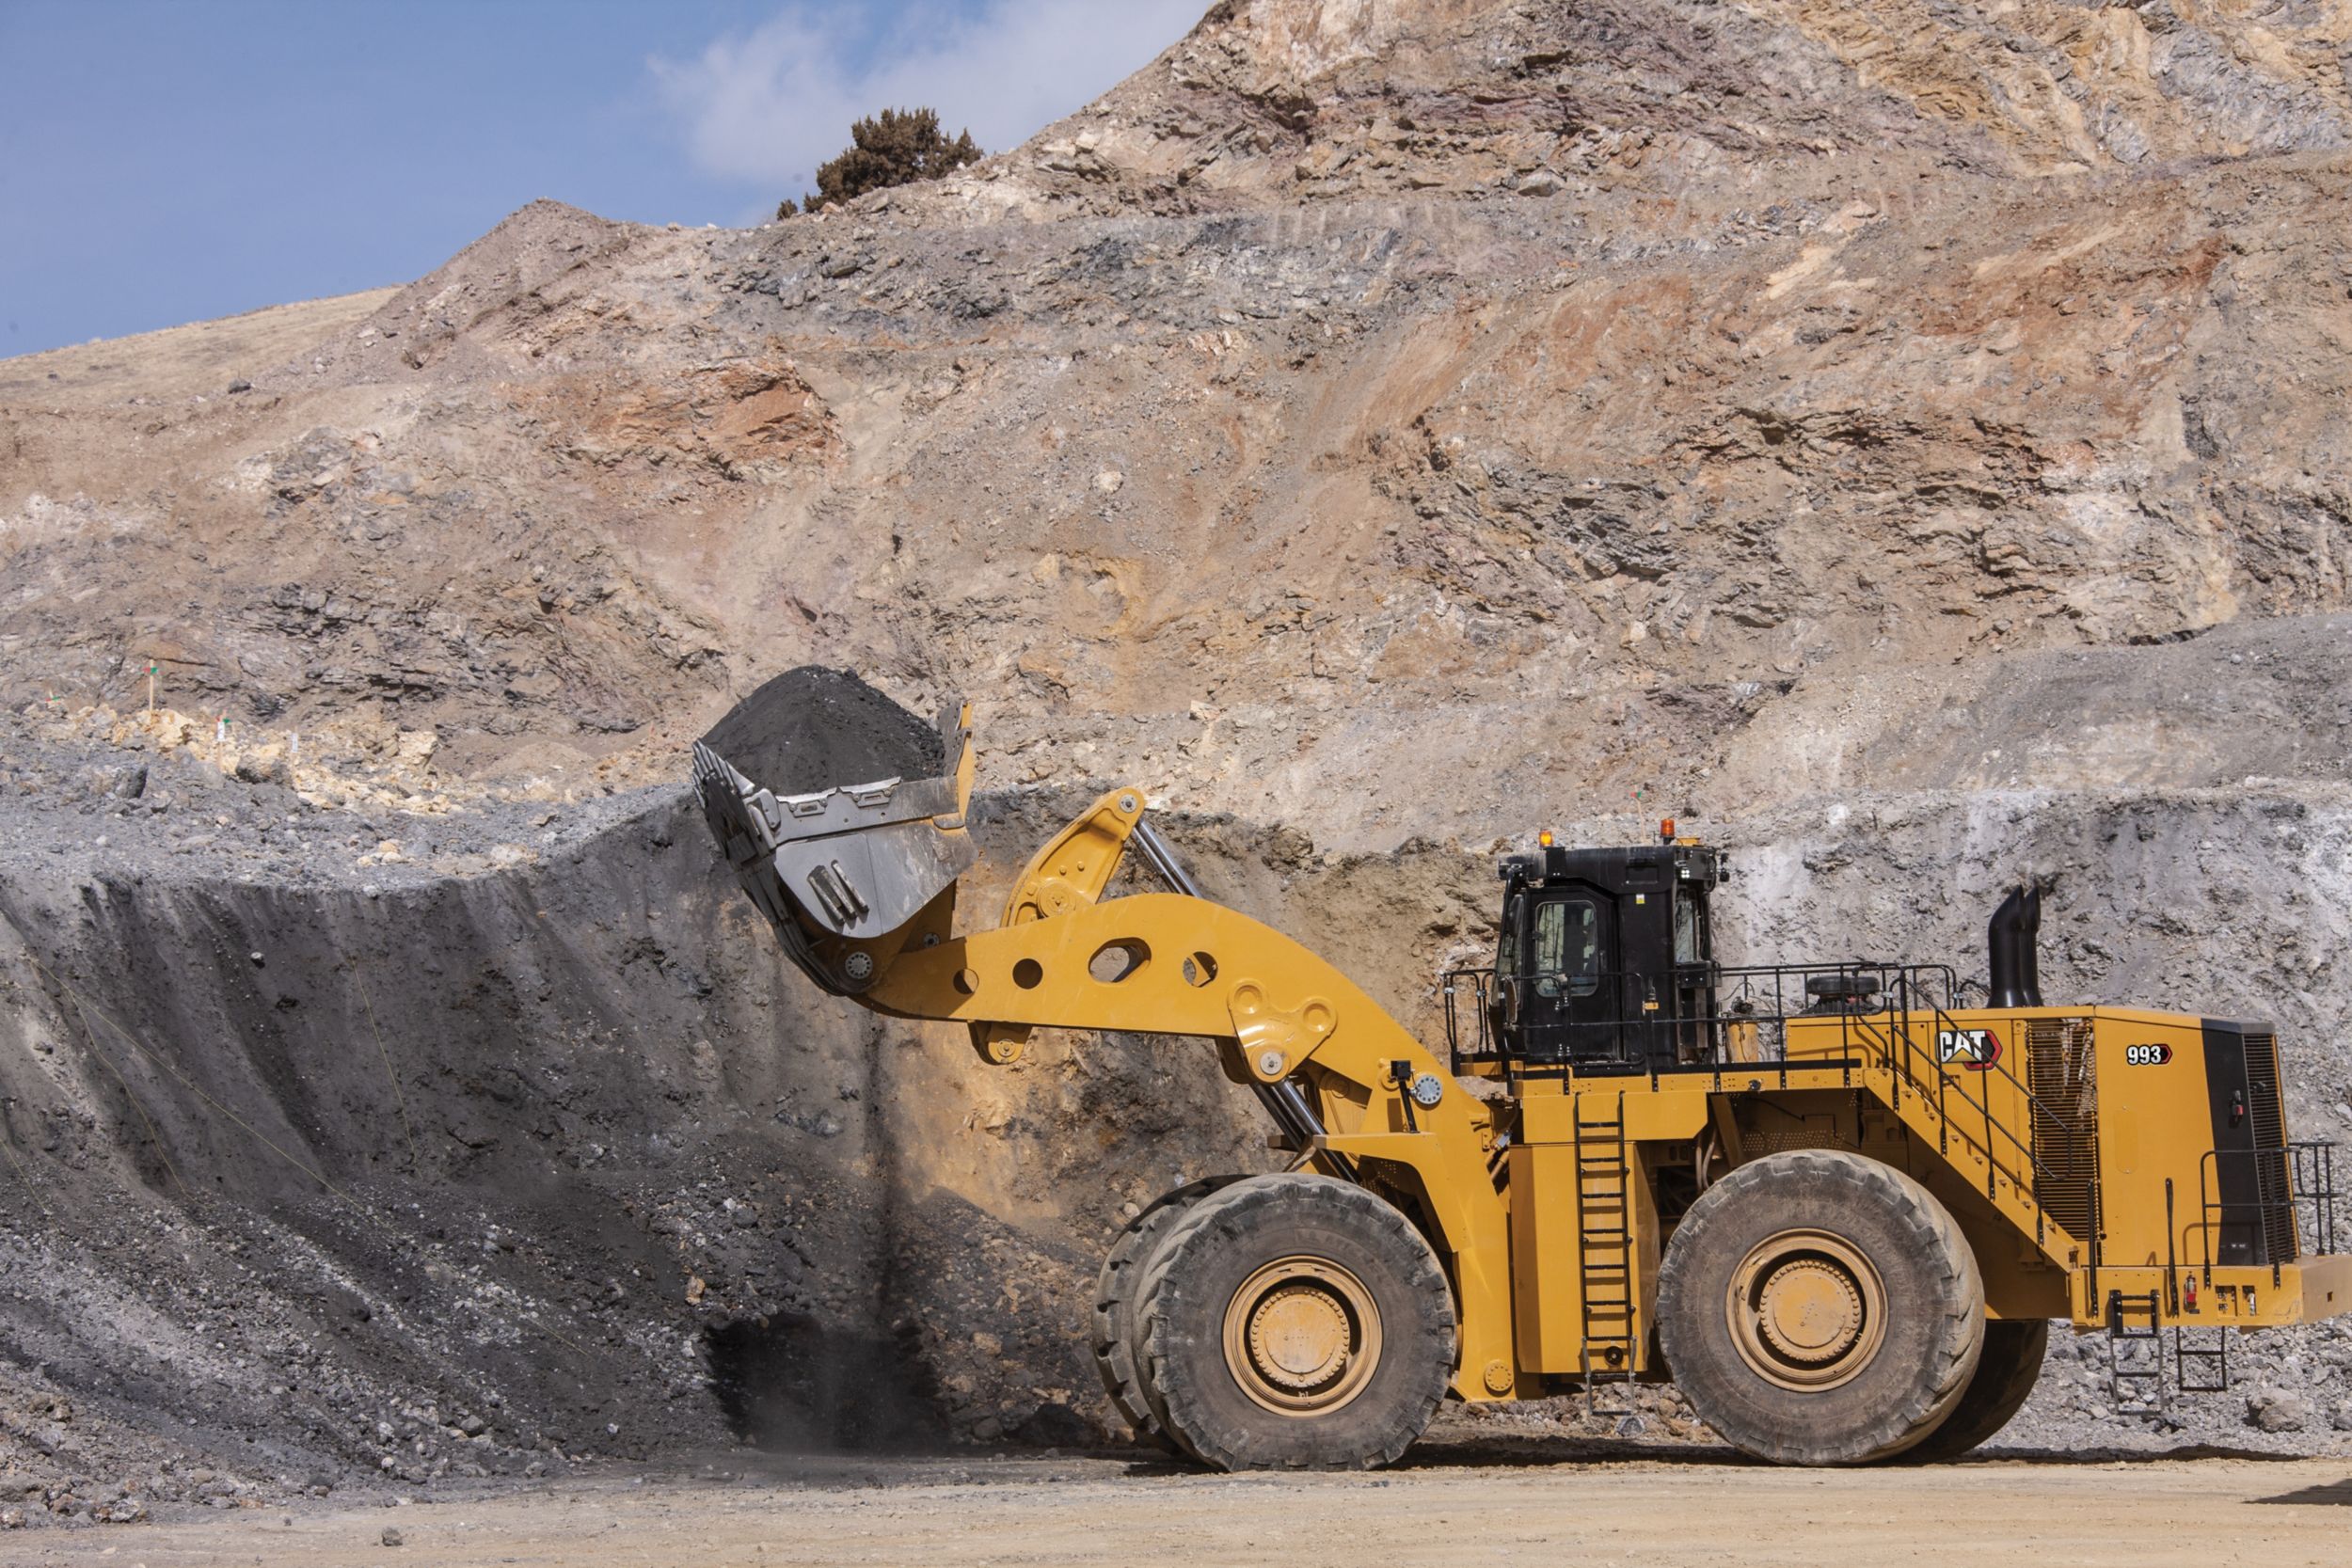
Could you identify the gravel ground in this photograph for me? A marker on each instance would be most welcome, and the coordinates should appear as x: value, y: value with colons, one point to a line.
x: 1455, y: 1503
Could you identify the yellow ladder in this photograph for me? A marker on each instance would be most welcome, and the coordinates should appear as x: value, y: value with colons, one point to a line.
x: 1606, y: 1288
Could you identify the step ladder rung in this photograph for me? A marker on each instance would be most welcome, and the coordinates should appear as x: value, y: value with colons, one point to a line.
x: 2211, y: 1361
x: 2136, y: 1382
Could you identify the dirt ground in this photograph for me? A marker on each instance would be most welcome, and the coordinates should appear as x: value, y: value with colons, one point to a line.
x: 1620, y: 1504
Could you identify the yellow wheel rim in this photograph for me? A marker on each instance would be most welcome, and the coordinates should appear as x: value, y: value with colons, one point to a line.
x: 1302, y: 1336
x: 1807, y: 1310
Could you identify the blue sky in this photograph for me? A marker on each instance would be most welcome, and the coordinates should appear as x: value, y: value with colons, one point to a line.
x: 168, y: 162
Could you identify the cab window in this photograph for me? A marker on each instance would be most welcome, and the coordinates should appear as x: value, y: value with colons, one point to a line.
x: 1687, y: 931
x: 1566, y: 959
x: 1508, y: 944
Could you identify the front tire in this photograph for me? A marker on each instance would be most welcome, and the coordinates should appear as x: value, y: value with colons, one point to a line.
x: 1817, y: 1308
x: 1296, y: 1322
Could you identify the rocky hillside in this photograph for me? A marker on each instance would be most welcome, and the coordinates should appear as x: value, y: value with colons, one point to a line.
x: 1913, y: 441
x: 1353, y: 385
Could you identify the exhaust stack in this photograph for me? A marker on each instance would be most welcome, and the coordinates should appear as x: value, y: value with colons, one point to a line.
x: 2010, y: 936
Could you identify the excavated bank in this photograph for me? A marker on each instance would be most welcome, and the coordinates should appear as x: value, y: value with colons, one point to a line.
x: 324, y: 1172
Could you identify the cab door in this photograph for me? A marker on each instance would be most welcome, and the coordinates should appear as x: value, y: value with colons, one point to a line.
x: 1567, y: 995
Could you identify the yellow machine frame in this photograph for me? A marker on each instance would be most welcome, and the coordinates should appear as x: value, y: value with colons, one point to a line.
x: 1506, y: 1189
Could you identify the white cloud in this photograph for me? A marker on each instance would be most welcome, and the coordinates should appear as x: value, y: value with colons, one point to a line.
x: 768, y: 106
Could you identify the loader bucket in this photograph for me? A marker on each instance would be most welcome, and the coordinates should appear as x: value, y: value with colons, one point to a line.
x: 841, y: 813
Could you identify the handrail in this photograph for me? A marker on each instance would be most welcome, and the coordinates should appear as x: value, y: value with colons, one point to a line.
x: 1481, y: 980
x: 1901, y: 1064
x: 1890, y: 1003
x: 1941, y: 1020
x: 2322, y: 1192
x: 2213, y: 1211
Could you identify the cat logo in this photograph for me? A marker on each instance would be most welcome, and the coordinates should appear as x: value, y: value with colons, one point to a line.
x: 1974, y: 1049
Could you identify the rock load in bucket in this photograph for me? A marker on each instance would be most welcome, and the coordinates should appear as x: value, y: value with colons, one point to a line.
x: 813, y: 728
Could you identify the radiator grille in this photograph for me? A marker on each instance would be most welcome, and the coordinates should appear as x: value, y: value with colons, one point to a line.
x: 2061, y: 1072
x: 2269, y: 1120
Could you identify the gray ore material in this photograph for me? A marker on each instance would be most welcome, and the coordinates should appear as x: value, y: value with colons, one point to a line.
x: 813, y: 728
x: 558, y: 1148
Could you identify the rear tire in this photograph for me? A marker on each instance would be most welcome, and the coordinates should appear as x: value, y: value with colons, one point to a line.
x: 1117, y: 1336
x: 1296, y: 1322
x: 2003, y: 1380
x: 1817, y: 1308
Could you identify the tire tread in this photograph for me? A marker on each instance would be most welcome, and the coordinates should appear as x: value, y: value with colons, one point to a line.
x: 1116, y: 1337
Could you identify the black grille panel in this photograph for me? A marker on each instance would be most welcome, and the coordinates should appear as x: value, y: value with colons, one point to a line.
x: 2248, y: 1194
x: 2061, y: 1072
x: 2265, y: 1114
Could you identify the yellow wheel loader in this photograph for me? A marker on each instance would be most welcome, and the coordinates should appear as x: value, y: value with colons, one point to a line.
x: 1836, y: 1207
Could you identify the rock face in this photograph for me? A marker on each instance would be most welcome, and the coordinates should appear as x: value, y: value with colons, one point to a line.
x: 1911, y: 442
x: 1648, y: 366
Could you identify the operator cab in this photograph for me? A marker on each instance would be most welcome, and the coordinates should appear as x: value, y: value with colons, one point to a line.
x: 1606, y: 957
